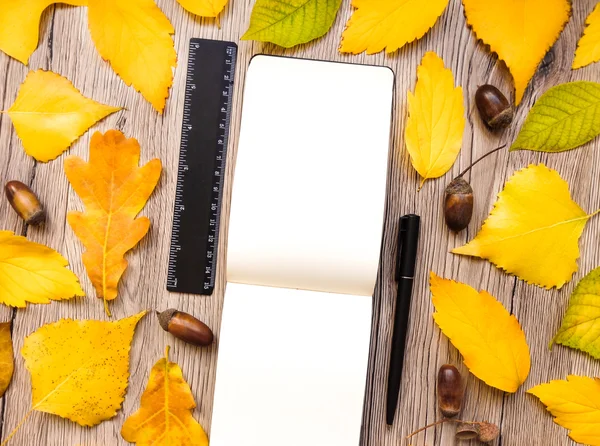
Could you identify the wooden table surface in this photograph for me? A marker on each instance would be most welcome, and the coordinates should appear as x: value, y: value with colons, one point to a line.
x: 66, y: 48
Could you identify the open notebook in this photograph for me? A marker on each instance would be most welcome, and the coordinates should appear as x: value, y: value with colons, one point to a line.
x: 303, y: 253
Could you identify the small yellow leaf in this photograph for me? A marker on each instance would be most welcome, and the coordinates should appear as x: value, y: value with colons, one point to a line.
x: 135, y: 37
x: 489, y: 338
x: 20, y: 25
x: 113, y: 190
x: 520, y: 32
x: 204, y: 8
x: 49, y: 114
x: 575, y: 405
x: 388, y: 24
x: 7, y: 362
x: 165, y: 414
x: 436, y: 119
x: 533, y: 230
x: 30, y: 272
x: 588, y: 47
x: 80, y: 369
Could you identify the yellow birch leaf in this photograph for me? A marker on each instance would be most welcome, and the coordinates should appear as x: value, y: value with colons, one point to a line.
x: 165, y: 413
x: 520, y: 32
x: 79, y: 369
x: 388, y: 24
x: 34, y: 273
x: 575, y: 405
x: 533, y: 230
x: 436, y: 119
x: 135, y: 37
x: 488, y: 337
x: 204, y: 8
x: 49, y: 114
x: 20, y: 25
x: 7, y: 362
x: 588, y: 47
x: 113, y: 190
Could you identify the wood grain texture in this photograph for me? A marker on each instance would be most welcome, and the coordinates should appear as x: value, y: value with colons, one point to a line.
x: 66, y: 48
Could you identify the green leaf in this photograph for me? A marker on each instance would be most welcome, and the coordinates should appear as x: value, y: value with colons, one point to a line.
x: 565, y: 117
x: 580, y: 328
x: 289, y: 23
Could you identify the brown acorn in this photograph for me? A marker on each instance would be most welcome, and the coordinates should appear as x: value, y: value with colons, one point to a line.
x: 458, y: 199
x: 25, y: 202
x: 186, y: 327
x: 450, y: 391
x: 494, y: 108
x: 481, y: 430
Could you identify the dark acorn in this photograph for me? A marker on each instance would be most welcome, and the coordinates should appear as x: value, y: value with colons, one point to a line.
x: 185, y: 327
x: 450, y: 391
x: 458, y: 199
x: 25, y: 203
x: 494, y: 108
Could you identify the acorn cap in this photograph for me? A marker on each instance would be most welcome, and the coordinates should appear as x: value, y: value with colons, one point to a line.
x: 165, y: 317
x: 488, y: 432
x: 459, y: 186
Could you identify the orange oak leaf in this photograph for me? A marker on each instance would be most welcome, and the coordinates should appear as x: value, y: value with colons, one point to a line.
x: 113, y: 190
x: 165, y: 410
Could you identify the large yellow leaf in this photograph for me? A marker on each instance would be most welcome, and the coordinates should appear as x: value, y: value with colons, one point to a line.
x: 135, y: 37
x: 436, y: 119
x: 588, y: 48
x: 20, y: 25
x: 79, y: 369
x: 575, y: 405
x: 165, y: 414
x: 30, y: 272
x: 113, y: 190
x: 49, y: 114
x: 388, y: 24
x: 204, y: 8
x: 490, y: 339
x: 533, y: 230
x: 7, y: 362
x: 520, y: 31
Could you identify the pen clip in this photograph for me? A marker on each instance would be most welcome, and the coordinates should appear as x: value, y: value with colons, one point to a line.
x: 402, y: 231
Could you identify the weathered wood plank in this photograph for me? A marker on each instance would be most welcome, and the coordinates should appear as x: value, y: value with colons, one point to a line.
x: 65, y: 47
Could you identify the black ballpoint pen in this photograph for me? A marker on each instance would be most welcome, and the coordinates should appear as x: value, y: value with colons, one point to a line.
x: 408, y: 241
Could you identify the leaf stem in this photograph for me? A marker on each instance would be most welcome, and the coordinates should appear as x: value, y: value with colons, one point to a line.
x: 17, y: 427
x: 479, y: 159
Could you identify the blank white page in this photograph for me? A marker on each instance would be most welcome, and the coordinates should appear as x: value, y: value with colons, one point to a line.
x: 310, y: 177
x: 303, y: 253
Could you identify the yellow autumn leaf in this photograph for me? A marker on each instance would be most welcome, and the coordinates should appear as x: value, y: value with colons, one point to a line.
x: 588, y: 47
x: 7, y: 362
x: 204, y: 8
x: 135, y: 37
x: 436, y: 119
x: 165, y: 414
x: 34, y: 273
x: 388, y: 24
x: 79, y: 369
x: 488, y: 337
x: 49, y: 114
x: 520, y: 32
x: 533, y: 230
x: 20, y: 25
x: 113, y: 190
x: 575, y: 405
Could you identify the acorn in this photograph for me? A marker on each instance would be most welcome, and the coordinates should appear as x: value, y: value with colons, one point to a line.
x: 494, y: 108
x: 25, y: 203
x: 186, y: 327
x: 450, y: 391
x: 481, y: 430
x: 458, y: 199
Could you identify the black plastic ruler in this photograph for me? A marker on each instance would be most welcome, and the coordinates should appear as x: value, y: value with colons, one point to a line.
x: 202, y: 156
